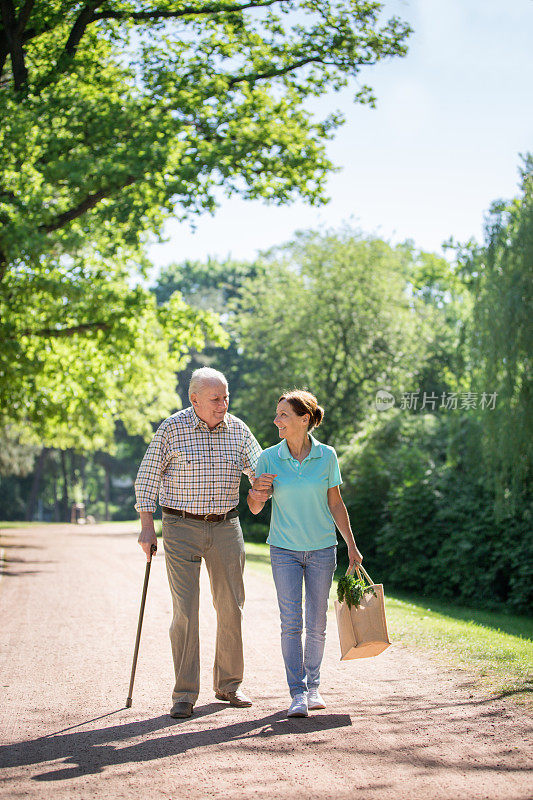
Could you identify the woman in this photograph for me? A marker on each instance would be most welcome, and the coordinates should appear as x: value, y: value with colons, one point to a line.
x: 302, y: 476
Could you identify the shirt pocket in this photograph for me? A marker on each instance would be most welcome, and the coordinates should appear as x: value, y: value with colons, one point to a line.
x: 231, y: 470
x: 173, y: 464
x: 193, y: 471
x: 186, y: 468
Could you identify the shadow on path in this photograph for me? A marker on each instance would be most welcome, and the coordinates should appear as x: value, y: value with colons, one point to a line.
x: 13, y: 566
x: 89, y: 752
x: 11, y: 545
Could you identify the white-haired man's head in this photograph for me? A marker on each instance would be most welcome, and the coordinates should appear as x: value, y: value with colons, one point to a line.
x: 203, y: 376
x: 209, y: 396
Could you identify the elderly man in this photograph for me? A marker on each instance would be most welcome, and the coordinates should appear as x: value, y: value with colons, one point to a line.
x: 194, y: 463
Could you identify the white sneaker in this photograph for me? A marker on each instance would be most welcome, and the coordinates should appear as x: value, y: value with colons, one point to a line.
x: 314, y: 700
x: 298, y: 707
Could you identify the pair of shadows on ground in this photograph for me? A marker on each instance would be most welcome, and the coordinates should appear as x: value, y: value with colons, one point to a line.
x: 89, y: 752
x: 13, y: 567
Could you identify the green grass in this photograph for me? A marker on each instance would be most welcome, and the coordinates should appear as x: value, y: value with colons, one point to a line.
x: 20, y: 524
x: 114, y: 524
x: 471, y: 640
x: 495, y: 650
x: 257, y: 556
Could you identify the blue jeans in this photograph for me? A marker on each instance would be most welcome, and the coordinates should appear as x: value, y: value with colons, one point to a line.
x: 290, y: 569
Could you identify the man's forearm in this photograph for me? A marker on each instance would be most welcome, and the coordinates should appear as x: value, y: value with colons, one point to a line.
x: 147, y: 526
x: 254, y: 503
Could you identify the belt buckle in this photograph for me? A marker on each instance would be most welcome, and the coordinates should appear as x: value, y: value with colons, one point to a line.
x: 206, y: 517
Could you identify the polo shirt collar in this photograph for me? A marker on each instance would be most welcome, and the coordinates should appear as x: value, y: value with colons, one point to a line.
x: 315, y: 452
x: 196, y: 422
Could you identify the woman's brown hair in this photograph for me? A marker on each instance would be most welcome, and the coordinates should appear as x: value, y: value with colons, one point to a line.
x: 304, y: 402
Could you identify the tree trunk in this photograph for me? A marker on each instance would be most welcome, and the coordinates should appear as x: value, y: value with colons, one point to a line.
x: 66, y: 509
x: 82, y: 463
x: 13, y: 43
x: 57, y: 514
x: 107, y: 490
x: 36, y: 484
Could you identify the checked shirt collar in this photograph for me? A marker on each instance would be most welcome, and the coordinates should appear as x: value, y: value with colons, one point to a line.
x: 196, y: 422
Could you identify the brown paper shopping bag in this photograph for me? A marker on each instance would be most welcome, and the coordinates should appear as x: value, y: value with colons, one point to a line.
x: 363, y: 630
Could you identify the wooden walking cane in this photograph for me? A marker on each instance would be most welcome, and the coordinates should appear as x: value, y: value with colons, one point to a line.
x: 153, y: 550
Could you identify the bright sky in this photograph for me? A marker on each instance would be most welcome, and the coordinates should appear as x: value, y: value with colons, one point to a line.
x: 452, y: 118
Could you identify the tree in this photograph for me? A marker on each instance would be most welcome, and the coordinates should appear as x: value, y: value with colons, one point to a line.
x: 299, y: 313
x: 68, y: 382
x: 16, y: 457
x: 423, y: 511
x: 499, y: 274
x: 332, y: 312
x: 116, y: 115
x: 210, y: 286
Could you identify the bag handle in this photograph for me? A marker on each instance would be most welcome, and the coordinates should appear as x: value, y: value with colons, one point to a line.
x: 360, y: 568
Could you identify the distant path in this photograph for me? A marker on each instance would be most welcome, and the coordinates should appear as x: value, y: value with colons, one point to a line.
x: 396, y: 727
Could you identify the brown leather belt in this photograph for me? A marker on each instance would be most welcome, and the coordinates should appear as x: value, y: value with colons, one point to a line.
x: 233, y: 512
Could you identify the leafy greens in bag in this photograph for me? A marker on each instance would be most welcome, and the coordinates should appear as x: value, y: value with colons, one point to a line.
x: 351, y: 590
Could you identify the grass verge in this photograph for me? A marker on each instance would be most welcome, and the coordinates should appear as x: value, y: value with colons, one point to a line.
x: 134, y: 523
x: 20, y: 524
x: 495, y: 649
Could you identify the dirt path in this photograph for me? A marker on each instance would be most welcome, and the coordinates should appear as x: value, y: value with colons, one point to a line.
x: 395, y: 727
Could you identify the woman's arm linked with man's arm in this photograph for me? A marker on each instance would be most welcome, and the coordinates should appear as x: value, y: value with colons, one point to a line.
x: 260, y: 492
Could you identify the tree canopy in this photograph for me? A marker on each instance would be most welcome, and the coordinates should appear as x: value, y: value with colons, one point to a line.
x: 116, y: 115
x: 342, y: 313
x: 500, y: 275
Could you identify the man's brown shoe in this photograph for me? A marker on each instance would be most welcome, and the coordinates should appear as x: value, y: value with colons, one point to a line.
x: 237, y: 699
x: 181, y: 709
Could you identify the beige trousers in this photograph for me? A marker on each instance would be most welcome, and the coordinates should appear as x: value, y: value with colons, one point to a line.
x: 221, y: 544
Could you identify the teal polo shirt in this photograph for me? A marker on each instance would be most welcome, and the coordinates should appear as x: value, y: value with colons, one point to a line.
x: 301, y: 519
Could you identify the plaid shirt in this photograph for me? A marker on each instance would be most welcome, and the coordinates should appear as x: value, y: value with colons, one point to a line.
x: 193, y: 468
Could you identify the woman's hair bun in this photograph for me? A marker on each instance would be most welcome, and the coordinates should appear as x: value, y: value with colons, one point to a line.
x: 318, y: 417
